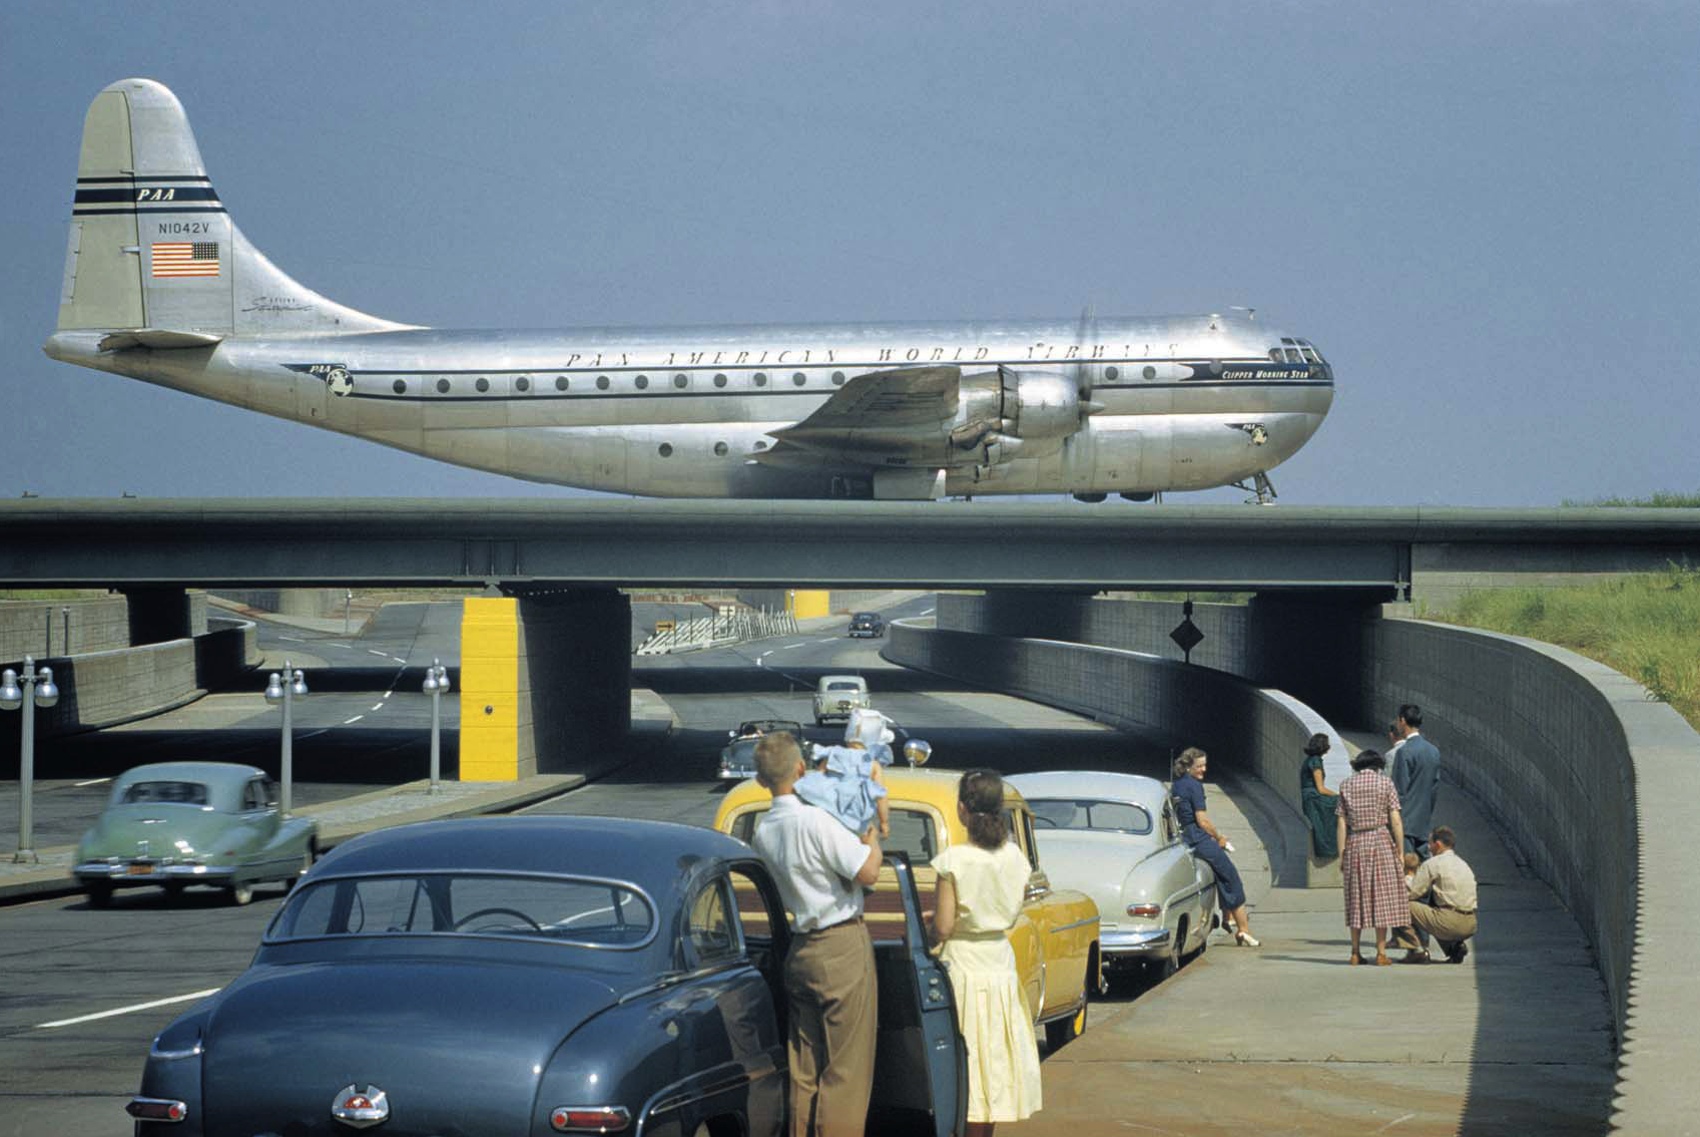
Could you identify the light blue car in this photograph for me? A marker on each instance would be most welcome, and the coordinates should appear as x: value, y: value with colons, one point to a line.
x: 181, y: 824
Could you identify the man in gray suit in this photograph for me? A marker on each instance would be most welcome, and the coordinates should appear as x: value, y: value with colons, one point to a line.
x: 1416, y: 775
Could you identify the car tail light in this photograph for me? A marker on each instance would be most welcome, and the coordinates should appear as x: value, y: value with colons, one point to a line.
x: 1149, y: 911
x: 590, y: 1118
x: 156, y: 1109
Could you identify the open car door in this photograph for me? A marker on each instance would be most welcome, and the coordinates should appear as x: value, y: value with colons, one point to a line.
x: 921, y: 1063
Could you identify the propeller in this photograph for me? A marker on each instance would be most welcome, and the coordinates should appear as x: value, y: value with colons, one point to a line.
x: 1086, y: 335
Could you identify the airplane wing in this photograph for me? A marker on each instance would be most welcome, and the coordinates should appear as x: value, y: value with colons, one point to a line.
x: 895, y: 417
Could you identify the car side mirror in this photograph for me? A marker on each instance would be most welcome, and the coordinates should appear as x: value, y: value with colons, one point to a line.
x: 916, y: 752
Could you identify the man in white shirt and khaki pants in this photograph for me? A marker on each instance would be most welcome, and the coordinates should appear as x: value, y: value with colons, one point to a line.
x: 1443, y: 903
x: 820, y: 867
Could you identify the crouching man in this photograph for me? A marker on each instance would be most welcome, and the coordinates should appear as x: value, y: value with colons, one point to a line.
x: 1443, y: 903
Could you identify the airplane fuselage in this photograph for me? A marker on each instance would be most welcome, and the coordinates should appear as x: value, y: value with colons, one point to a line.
x: 1187, y: 402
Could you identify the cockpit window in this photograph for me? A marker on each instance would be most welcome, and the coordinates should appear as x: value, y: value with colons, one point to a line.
x: 1293, y: 355
x: 1309, y: 353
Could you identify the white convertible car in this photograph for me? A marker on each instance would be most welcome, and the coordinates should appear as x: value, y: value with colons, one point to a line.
x: 1115, y: 838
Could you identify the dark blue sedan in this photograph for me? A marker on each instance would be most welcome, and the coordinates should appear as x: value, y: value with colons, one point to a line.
x: 534, y: 976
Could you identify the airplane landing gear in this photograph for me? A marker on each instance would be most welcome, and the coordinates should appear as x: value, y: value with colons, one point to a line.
x: 1261, y: 489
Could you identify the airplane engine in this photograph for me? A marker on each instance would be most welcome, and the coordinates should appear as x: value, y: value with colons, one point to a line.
x: 1046, y: 405
x: 1015, y: 413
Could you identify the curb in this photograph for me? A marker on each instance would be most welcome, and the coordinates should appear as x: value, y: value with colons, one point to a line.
x: 55, y: 880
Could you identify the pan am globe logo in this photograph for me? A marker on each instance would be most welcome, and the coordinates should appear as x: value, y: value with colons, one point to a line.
x: 337, y: 377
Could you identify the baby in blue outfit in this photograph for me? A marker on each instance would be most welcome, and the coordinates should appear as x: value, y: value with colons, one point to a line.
x: 848, y: 781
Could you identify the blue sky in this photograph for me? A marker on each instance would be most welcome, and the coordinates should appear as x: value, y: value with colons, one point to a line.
x: 1488, y: 216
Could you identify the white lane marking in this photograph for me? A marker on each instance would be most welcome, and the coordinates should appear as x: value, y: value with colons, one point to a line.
x: 390, y: 692
x: 130, y: 1009
x: 292, y: 639
x: 788, y: 647
x: 399, y: 659
x: 378, y: 706
x: 761, y: 660
x: 928, y: 612
x: 376, y: 652
x: 93, y: 782
x: 828, y: 640
x: 355, y: 719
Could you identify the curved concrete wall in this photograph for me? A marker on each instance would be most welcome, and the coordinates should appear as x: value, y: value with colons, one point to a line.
x: 1600, y: 790
x: 105, y: 688
x: 1241, y: 725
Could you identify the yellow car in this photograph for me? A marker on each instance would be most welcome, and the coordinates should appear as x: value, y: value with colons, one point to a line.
x: 1056, y: 939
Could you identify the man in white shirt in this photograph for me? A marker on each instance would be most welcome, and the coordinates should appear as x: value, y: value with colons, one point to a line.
x: 820, y: 867
x: 1443, y: 903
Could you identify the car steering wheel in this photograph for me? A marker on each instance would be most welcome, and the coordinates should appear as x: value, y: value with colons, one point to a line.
x: 467, y: 919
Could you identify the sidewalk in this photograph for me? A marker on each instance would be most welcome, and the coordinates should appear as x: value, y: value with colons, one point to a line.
x: 377, y: 809
x: 1288, y: 1039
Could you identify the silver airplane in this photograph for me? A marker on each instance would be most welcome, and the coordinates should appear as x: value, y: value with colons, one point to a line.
x: 161, y: 286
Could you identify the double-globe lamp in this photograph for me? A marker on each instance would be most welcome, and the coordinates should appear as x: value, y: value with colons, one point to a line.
x: 285, y: 688
x: 436, y: 685
x: 34, y: 689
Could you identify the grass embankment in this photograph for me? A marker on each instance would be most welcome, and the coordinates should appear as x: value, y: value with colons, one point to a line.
x: 1647, y: 627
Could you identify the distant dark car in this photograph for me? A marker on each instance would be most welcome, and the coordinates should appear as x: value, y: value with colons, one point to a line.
x: 534, y: 976
x: 738, y: 757
x: 867, y: 624
x: 180, y: 824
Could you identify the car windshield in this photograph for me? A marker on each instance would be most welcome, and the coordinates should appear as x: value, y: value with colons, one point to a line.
x: 558, y: 909
x: 743, y: 750
x: 866, y: 616
x: 912, y: 833
x: 180, y: 793
x: 846, y: 686
x: 1111, y: 816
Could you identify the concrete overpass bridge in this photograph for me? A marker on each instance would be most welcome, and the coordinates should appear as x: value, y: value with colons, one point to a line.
x: 600, y: 543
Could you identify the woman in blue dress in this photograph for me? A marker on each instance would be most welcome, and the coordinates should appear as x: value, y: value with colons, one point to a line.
x: 1206, y: 840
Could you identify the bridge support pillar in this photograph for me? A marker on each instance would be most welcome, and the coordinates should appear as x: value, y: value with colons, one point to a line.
x: 541, y: 675
x: 158, y: 615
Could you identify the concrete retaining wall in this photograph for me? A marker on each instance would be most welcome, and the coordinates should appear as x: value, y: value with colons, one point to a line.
x: 1598, y: 786
x: 105, y: 688
x: 1240, y: 725
x: 39, y: 627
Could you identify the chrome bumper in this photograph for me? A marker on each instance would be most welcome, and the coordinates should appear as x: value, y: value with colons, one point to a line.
x: 156, y: 874
x: 735, y: 775
x: 1125, y: 943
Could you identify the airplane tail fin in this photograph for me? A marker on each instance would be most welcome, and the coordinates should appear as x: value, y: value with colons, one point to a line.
x: 153, y: 256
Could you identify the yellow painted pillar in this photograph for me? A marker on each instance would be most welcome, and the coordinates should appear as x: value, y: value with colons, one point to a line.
x: 808, y: 603
x: 489, y: 689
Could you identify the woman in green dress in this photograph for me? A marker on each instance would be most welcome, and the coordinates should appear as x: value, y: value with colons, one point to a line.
x: 1317, y: 799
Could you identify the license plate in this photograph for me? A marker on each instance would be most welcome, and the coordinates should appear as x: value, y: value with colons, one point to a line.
x: 140, y: 870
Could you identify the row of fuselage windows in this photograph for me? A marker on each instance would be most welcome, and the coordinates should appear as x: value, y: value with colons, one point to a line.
x: 1295, y: 351
x: 524, y: 384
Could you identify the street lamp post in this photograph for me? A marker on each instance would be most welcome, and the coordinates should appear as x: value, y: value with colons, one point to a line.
x: 285, y: 689
x: 436, y: 685
x: 37, y: 690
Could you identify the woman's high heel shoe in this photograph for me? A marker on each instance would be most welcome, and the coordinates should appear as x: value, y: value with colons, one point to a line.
x: 1356, y: 959
x: 1246, y: 939
x: 1381, y: 959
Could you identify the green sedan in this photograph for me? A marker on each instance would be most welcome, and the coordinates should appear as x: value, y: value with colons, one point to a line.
x: 177, y: 824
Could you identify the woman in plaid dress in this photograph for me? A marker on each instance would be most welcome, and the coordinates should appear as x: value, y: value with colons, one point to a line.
x: 1371, y: 834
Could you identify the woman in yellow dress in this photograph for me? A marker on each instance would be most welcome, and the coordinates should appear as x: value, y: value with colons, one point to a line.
x: 980, y: 890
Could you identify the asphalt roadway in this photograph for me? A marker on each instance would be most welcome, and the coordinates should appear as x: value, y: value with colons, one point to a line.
x: 82, y: 992
x: 1284, y: 1039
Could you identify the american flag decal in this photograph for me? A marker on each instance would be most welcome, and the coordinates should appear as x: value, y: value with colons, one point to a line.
x: 185, y: 258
